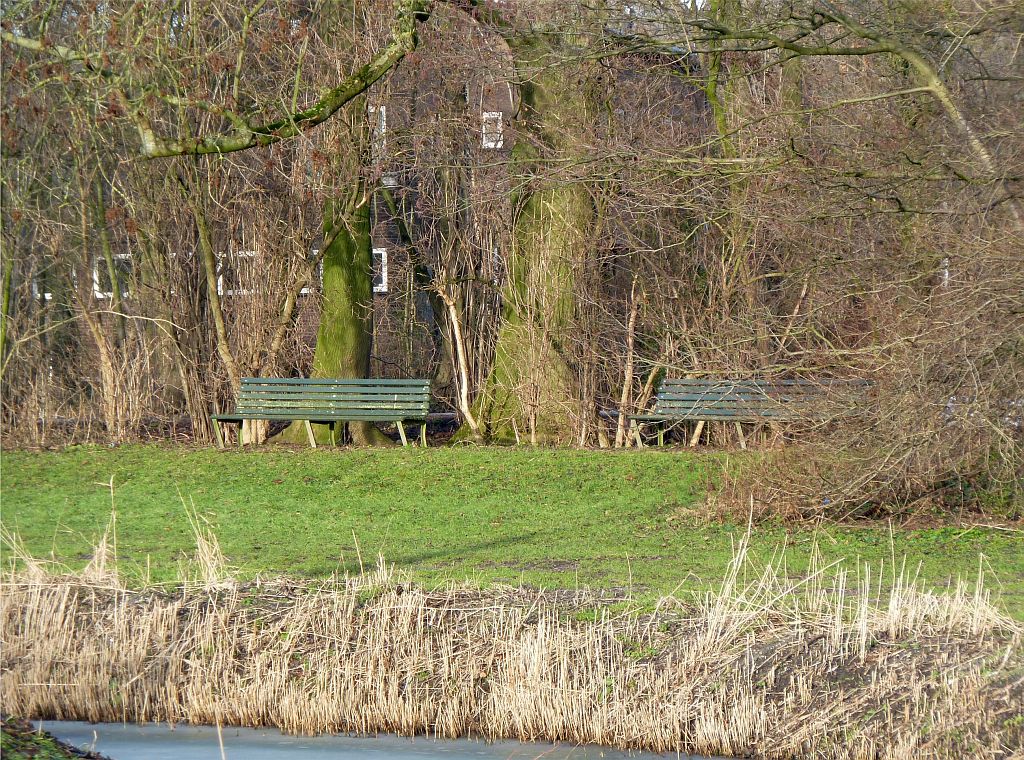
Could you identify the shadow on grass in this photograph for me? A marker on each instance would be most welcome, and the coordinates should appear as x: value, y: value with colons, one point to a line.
x: 455, y: 553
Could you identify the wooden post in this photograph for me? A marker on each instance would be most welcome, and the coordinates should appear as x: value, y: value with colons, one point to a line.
x: 401, y: 433
x: 695, y: 438
x: 423, y: 434
x: 309, y: 433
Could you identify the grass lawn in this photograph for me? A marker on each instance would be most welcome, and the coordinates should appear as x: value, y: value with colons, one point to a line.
x: 541, y: 517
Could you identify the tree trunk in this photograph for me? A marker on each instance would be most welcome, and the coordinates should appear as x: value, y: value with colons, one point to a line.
x: 530, y: 387
x: 345, y: 337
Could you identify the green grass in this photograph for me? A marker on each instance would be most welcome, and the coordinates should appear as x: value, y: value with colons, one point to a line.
x: 541, y: 517
x: 19, y: 740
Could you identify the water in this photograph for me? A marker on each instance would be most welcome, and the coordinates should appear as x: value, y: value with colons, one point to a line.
x: 128, y: 741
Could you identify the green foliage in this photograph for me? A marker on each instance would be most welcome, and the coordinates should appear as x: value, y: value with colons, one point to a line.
x: 631, y: 521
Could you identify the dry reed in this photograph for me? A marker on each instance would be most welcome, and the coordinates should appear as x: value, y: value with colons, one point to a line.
x: 829, y: 665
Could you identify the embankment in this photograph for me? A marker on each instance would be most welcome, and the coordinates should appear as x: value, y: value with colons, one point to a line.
x: 825, y: 665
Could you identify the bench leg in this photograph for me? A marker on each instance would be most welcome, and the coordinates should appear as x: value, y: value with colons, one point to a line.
x: 401, y: 433
x: 661, y: 434
x: 423, y: 434
x: 739, y: 432
x: 636, y: 434
x: 695, y: 439
x: 331, y: 428
x: 218, y: 436
x: 309, y: 434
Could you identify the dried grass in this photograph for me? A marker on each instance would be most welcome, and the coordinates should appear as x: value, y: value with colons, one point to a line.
x: 825, y: 665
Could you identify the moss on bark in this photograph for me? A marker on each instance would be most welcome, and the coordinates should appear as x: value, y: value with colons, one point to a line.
x: 529, y: 394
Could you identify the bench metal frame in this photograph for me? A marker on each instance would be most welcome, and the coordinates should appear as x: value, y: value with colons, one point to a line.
x: 328, y: 401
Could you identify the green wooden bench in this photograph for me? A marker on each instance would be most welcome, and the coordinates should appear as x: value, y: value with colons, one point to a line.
x: 328, y: 401
x: 719, y: 399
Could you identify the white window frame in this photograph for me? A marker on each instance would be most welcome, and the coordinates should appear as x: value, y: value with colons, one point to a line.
x: 319, y: 282
x: 492, y: 130
x: 221, y: 290
x: 46, y: 295
x: 108, y: 294
x: 381, y: 255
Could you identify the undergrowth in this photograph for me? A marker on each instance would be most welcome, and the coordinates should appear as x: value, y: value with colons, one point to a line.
x: 841, y: 661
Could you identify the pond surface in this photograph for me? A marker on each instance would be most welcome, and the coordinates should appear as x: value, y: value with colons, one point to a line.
x: 128, y: 741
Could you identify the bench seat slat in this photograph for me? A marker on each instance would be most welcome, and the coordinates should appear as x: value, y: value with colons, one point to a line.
x: 697, y: 413
x: 750, y: 401
x: 336, y: 413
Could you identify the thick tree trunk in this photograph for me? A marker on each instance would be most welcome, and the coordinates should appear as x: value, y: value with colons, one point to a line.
x: 530, y: 391
x: 345, y: 337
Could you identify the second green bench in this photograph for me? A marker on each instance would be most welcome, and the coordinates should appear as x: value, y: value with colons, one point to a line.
x: 727, y: 400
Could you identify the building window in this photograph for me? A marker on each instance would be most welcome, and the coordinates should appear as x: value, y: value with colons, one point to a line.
x: 380, y: 270
x: 41, y: 288
x: 102, y: 287
x: 493, y: 130
x: 235, y: 273
x: 317, y: 282
x: 378, y: 131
